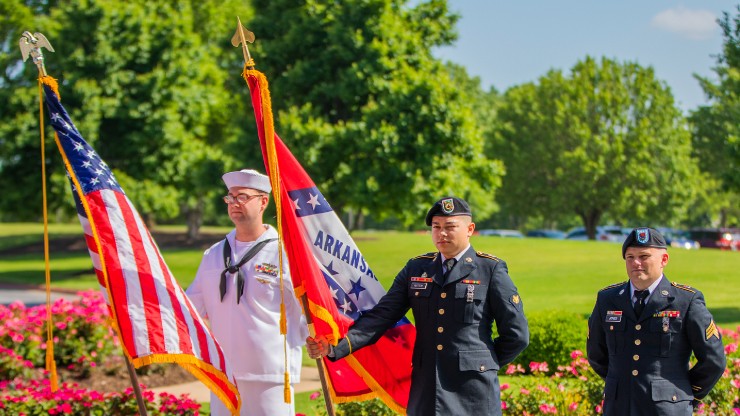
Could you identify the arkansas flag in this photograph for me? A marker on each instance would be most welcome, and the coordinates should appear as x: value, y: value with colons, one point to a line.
x: 153, y: 317
x: 329, y: 269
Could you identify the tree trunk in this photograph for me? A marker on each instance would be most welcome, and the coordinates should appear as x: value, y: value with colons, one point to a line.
x: 723, y: 218
x: 360, y: 222
x: 350, y: 220
x: 590, y: 221
x: 194, y: 220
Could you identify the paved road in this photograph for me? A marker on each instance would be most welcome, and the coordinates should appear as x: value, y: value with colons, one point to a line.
x: 30, y: 296
x: 199, y: 392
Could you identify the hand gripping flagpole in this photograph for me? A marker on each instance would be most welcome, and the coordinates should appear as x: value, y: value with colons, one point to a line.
x: 30, y: 45
x: 242, y: 36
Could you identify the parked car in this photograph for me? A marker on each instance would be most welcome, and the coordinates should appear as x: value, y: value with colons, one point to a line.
x: 501, y: 233
x: 557, y: 234
x: 611, y: 233
x: 679, y: 238
x: 721, y: 238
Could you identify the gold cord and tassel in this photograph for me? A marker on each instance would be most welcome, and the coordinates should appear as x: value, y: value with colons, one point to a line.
x: 269, y: 131
x: 51, y: 366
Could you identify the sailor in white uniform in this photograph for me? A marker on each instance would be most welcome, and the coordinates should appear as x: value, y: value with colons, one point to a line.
x: 237, y: 288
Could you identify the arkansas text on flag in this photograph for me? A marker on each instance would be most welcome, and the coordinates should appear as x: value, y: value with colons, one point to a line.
x: 329, y: 269
x: 153, y: 317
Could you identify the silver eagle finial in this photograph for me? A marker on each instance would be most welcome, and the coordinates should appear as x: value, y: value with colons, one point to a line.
x: 31, y: 45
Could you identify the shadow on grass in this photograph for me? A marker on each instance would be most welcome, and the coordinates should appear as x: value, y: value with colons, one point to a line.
x: 725, y: 315
x: 35, y: 277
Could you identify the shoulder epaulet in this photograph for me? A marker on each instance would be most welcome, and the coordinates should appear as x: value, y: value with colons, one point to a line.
x: 683, y: 287
x: 612, y: 286
x: 425, y: 256
x: 487, y: 256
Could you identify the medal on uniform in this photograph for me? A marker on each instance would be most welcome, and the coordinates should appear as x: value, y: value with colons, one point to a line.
x: 666, y: 321
x: 471, y: 293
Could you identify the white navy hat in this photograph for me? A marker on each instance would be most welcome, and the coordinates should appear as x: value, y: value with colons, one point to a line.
x: 247, y: 178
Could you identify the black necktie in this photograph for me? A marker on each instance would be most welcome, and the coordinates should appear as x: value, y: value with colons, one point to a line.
x: 640, y: 295
x: 449, y: 264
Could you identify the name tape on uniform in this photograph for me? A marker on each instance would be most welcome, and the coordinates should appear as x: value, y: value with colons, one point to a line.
x: 613, y: 316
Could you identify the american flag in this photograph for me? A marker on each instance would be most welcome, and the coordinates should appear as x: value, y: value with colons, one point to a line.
x: 153, y: 317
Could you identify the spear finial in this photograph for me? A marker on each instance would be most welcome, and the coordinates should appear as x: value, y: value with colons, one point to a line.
x: 31, y: 44
x: 242, y: 36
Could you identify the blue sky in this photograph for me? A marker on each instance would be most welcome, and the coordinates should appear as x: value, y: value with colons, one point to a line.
x: 507, y: 43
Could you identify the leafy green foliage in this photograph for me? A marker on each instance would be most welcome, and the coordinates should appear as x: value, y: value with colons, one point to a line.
x: 607, y: 139
x: 553, y: 335
x: 144, y: 81
x: 378, y: 122
x: 373, y: 407
x: 716, y: 133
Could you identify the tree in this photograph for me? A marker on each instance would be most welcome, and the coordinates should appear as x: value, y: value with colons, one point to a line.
x: 716, y: 127
x: 146, y: 84
x: 606, y: 140
x: 379, y: 123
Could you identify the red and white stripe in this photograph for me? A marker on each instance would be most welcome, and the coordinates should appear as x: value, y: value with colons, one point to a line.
x: 153, y: 314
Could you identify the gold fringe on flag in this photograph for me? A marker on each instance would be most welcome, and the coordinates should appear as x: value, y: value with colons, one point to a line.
x: 269, y: 129
x: 51, y: 365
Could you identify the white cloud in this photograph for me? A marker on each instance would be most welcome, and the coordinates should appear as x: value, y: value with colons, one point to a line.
x: 693, y: 24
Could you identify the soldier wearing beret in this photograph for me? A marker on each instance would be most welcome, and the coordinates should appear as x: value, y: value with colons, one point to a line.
x: 643, y: 331
x: 455, y: 294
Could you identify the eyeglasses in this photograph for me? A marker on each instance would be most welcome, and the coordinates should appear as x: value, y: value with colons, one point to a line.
x: 241, y: 199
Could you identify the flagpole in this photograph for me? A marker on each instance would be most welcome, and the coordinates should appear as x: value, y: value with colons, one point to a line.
x: 135, y: 385
x: 31, y: 45
x: 319, y: 361
x: 242, y: 36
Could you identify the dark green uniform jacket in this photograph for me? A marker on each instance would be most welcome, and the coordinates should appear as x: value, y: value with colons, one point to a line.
x: 455, y: 359
x: 645, y: 359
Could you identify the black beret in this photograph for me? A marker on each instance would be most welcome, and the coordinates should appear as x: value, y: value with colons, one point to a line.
x: 643, y: 237
x: 448, y: 206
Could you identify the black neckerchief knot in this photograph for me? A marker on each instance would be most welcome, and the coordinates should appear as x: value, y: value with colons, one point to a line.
x: 236, y: 268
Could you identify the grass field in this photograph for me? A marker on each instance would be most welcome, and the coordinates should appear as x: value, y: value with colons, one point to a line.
x: 550, y: 274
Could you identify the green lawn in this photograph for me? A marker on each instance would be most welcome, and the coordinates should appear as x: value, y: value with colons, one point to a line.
x: 550, y: 274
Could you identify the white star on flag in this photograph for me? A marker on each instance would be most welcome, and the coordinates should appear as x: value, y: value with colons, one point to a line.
x: 55, y: 117
x: 94, y: 181
x: 314, y: 200
x: 79, y: 147
x: 99, y: 171
x: 346, y: 307
x: 90, y: 154
x: 334, y: 293
x: 295, y: 204
x: 86, y: 164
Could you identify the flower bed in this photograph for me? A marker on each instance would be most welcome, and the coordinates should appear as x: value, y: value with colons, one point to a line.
x: 84, y: 343
x: 83, y: 340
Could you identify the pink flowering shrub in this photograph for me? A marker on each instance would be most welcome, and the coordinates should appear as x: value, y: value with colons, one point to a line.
x: 724, y: 399
x: 82, y: 335
x: 573, y: 389
x: 22, y: 397
x: 13, y: 365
